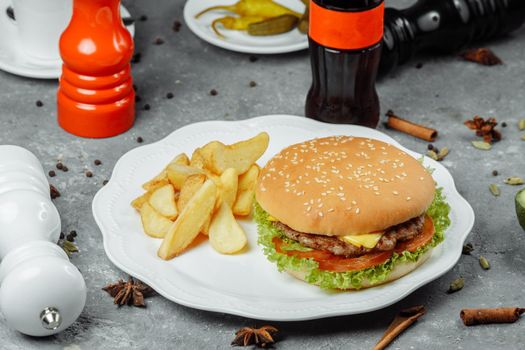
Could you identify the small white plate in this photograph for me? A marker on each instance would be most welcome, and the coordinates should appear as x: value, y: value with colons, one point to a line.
x: 247, y: 284
x: 240, y: 41
x: 14, y: 60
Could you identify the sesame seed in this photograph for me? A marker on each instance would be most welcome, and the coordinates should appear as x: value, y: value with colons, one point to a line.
x: 395, y: 193
x: 409, y: 198
x: 321, y: 214
x: 357, y: 210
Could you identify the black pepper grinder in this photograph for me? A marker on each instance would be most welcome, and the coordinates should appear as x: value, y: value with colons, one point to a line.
x: 445, y: 26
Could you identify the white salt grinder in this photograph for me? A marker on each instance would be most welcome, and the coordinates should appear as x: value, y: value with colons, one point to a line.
x: 41, y: 292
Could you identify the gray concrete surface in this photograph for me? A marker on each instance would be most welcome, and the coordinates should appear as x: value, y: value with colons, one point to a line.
x: 443, y: 93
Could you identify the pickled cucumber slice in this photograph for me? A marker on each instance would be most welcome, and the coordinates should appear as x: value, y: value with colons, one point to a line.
x: 520, y: 207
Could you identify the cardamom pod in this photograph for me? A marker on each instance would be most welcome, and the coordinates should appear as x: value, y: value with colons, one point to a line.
x: 521, y: 124
x: 484, y: 263
x: 69, y: 247
x: 494, y: 189
x: 432, y: 155
x: 467, y: 249
x: 443, y: 153
x: 514, y: 180
x: 456, y: 285
x: 485, y: 146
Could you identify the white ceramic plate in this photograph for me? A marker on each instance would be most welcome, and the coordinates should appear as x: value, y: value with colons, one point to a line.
x: 248, y: 284
x: 14, y: 60
x: 240, y: 41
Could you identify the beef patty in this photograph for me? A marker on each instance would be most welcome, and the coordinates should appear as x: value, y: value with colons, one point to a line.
x: 401, y: 232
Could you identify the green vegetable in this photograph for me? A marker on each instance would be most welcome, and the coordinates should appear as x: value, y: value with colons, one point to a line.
x: 438, y: 211
x: 253, y: 8
x: 520, y: 207
x: 272, y: 26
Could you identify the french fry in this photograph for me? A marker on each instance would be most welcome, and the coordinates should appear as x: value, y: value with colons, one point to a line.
x: 245, y: 194
x: 241, y: 155
x: 178, y: 173
x: 154, y: 224
x: 189, y: 222
x: 229, y: 184
x: 189, y: 188
x: 226, y: 235
x: 163, y: 201
x: 162, y: 177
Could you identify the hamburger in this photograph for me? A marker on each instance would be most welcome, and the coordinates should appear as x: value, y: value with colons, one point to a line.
x: 348, y: 212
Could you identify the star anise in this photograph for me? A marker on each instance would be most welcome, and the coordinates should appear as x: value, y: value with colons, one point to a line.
x: 131, y: 292
x: 482, y: 56
x: 260, y: 337
x: 484, y: 128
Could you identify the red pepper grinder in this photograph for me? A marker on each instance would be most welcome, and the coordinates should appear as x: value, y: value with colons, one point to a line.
x: 96, y: 97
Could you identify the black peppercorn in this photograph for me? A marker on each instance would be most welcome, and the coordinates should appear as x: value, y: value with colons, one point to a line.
x: 52, y: 173
x: 89, y: 174
x: 140, y: 139
x: 495, y: 173
x: 147, y: 107
x: 39, y: 103
x: 169, y: 95
x: 97, y: 162
x: 253, y: 84
x: 213, y: 92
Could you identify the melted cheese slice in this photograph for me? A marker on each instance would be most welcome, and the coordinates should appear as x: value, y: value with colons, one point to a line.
x: 368, y: 240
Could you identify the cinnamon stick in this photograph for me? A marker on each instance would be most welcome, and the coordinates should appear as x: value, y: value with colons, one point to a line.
x: 410, y: 128
x: 402, y: 321
x: 473, y: 317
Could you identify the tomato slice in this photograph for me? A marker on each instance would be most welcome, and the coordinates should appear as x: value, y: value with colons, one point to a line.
x: 330, y: 262
x: 420, y: 240
x: 353, y: 264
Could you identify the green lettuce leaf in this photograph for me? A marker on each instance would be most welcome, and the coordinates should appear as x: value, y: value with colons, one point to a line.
x: 438, y: 211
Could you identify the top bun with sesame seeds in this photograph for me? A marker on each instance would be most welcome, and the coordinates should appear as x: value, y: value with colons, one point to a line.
x: 342, y: 185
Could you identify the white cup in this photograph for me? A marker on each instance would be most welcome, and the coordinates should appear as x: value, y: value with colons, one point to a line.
x: 40, y: 24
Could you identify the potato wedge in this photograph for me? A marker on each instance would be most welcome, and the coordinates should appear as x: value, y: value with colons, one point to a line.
x: 189, y: 188
x: 226, y: 235
x: 140, y: 200
x: 189, y: 222
x: 178, y: 173
x: 246, y: 192
x: 241, y: 155
x: 154, y: 224
x: 229, y: 184
x: 197, y: 160
x: 163, y: 201
x: 162, y: 177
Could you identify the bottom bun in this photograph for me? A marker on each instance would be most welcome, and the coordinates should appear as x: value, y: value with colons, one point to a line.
x: 399, y: 271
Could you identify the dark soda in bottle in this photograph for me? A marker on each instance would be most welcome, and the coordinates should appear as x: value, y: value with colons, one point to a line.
x: 345, y: 49
x: 445, y: 26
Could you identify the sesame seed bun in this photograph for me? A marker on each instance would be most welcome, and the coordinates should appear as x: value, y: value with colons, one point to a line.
x: 344, y: 185
x: 399, y: 271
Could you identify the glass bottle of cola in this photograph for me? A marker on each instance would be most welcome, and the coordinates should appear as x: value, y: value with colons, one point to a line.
x: 345, y: 49
x: 445, y: 26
